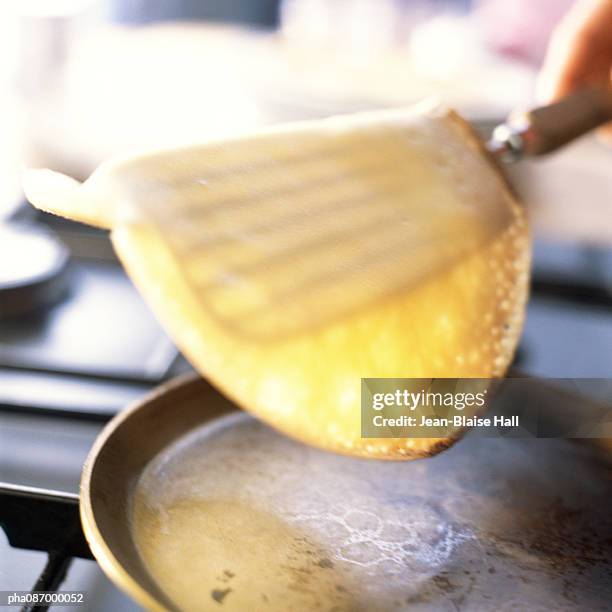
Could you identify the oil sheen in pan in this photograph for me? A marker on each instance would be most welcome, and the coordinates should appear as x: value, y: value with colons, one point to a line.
x: 237, y: 515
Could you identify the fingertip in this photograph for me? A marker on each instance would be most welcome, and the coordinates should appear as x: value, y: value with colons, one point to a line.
x: 544, y: 89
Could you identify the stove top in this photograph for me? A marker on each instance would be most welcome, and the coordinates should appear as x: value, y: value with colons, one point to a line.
x: 65, y: 372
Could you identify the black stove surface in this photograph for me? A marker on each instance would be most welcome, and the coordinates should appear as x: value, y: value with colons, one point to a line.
x: 87, y: 332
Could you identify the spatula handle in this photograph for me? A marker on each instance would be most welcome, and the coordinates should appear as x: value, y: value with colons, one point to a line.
x: 548, y: 128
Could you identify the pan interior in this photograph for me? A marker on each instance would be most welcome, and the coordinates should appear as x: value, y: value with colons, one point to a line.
x: 235, y: 515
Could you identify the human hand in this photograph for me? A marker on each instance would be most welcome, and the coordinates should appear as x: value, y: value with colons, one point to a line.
x: 579, y: 53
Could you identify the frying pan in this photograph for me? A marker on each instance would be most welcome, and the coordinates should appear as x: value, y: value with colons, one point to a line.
x: 489, y: 524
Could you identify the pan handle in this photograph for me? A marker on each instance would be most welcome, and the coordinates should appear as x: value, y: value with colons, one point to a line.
x: 39, y: 519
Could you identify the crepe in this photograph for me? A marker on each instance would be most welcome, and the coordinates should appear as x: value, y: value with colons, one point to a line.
x: 291, y: 263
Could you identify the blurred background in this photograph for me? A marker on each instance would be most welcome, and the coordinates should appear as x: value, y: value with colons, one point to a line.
x: 84, y: 79
x: 81, y: 80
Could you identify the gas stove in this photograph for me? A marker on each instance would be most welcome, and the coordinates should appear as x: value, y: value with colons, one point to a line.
x: 63, y: 374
